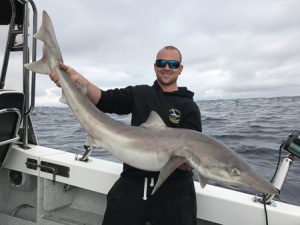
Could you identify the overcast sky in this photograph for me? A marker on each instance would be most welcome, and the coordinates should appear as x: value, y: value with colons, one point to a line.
x: 231, y: 49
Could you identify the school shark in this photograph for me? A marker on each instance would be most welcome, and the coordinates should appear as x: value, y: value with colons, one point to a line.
x: 152, y: 146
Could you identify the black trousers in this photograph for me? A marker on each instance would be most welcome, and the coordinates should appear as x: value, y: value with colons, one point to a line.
x: 129, y: 202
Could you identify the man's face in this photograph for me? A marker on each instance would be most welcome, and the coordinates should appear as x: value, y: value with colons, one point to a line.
x: 167, y: 76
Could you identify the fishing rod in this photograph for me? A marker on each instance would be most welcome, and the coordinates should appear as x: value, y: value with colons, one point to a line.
x: 292, y: 145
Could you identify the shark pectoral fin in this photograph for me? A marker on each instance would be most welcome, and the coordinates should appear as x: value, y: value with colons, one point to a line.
x: 154, y: 121
x: 202, y: 180
x: 168, y: 168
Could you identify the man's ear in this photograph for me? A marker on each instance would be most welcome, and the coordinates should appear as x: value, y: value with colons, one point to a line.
x: 181, y: 68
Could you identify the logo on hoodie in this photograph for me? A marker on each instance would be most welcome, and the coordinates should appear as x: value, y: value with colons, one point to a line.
x: 174, y: 116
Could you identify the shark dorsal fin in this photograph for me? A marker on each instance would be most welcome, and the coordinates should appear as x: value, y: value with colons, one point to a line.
x: 154, y: 121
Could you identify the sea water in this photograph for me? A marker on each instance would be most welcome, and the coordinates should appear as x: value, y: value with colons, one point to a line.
x: 254, y: 128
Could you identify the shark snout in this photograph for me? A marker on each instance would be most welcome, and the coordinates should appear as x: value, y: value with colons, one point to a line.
x: 258, y: 183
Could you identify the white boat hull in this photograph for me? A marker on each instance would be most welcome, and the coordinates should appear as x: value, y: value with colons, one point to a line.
x: 81, y: 197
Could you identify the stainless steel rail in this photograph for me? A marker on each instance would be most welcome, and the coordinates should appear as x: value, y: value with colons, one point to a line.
x: 28, y: 86
x: 15, y: 135
x: 8, y: 44
x: 29, y: 93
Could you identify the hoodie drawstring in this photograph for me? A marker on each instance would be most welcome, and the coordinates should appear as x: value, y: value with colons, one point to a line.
x: 152, y: 182
x: 146, y: 187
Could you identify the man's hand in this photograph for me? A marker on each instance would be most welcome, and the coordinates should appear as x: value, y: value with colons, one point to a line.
x: 185, y: 166
x: 74, y: 75
x: 93, y: 92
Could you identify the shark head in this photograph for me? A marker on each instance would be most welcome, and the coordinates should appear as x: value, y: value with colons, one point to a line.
x: 236, y: 172
x: 217, y: 162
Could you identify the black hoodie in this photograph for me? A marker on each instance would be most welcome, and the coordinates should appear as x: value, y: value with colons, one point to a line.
x: 177, y: 109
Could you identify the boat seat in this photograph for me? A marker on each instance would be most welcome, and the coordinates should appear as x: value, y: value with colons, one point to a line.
x: 11, y: 110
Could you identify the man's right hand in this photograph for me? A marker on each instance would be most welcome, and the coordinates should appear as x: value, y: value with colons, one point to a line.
x: 93, y: 92
x: 74, y: 75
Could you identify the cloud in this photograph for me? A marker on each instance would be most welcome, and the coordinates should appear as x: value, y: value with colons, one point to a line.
x: 49, y: 99
x: 231, y: 49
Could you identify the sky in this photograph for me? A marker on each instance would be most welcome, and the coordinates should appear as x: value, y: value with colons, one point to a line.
x: 231, y: 49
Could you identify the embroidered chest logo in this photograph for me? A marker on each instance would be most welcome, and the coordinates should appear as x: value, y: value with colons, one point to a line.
x: 174, y: 116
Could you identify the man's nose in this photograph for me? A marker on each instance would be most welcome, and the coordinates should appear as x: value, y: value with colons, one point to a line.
x: 167, y: 67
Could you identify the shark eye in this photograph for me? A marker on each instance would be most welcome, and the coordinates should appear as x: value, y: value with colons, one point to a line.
x: 235, y: 172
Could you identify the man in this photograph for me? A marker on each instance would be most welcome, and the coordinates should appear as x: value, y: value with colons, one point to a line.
x: 129, y: 202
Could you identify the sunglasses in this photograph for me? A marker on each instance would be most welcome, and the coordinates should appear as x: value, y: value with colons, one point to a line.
x: 173, y: 64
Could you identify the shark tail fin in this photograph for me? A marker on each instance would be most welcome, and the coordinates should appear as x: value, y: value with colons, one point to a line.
x: 47, y: 35
x: 40, y: 66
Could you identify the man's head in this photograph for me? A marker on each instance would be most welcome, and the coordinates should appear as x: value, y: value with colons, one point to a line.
x: 168, y: 67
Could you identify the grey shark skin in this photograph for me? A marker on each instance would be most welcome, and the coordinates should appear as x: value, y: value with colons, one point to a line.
x: 151, y: 146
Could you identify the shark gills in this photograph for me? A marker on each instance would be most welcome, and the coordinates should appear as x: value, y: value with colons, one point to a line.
x: 151, y: 146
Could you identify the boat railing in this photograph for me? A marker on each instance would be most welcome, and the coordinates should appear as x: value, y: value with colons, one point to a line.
x: 19, y: 25
x: 10, y: 121
x: 29, y: 94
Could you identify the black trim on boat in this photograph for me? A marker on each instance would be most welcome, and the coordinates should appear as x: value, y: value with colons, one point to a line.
x: 47, y: 167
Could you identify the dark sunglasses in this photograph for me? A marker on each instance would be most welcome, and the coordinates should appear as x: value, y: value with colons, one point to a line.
x: 173, y: 64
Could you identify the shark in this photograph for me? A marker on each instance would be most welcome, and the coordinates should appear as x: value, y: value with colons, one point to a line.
x: 152, y: 146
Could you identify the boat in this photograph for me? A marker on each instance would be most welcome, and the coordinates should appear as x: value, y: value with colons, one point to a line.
x: 46, y: 186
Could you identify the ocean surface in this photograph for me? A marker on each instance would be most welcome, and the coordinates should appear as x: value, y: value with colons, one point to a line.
x: 254, y: 128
